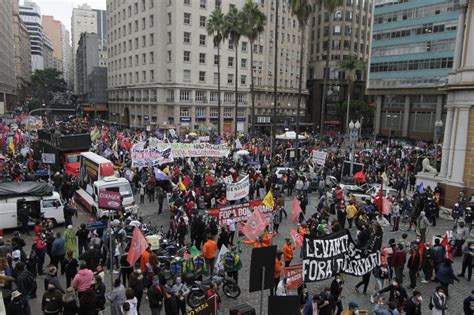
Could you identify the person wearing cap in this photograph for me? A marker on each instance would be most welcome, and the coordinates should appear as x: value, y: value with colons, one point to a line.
x: 71, y: 241
x: 413, y: 305
x: 52, y: 302
x: 17, y: 305
x: 52, y: 278
x: 353, y: 309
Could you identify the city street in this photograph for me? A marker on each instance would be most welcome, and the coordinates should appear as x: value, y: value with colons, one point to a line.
x: 458, y: 291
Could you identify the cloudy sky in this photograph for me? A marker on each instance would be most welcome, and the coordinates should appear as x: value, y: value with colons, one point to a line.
x: 62, y: 9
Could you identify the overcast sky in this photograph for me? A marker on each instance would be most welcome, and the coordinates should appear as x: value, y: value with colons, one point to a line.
x: 62, y: 9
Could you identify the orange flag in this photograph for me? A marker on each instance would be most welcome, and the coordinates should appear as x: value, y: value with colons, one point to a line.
x: 137, y: 247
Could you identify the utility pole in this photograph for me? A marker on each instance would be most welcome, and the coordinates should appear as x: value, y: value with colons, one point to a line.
x: 275, y: 81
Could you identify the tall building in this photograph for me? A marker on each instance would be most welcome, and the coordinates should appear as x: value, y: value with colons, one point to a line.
x: 48, y: 53
x: 67, y: 60
x: 162, y: 66
x: 86, y: 20
x: 59, y: 37
x: 22, y: 54
x: 332, y: 38
x: 7, y: 57
x: 31, y: 15
x: 412, y: 53
x: 87, y: 58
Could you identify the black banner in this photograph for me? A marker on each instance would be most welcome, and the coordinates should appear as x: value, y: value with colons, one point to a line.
x: 328, y: 255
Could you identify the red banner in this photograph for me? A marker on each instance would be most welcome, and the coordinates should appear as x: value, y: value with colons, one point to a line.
x: 241, y: 211
x: 294, y: 276
x: 110, y: 200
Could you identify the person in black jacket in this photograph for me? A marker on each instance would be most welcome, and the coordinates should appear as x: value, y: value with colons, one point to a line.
x: 82, y: 238
x: 18, y: 306
x: 52, y: 303
x: 413, y: 305
x: 136, y: 283
x: 92, y: 257
x: 70, y: 267
x: 171, y: 303
x: 468, y: 304
x: 99, y: 289
x: 336, y: 291
x: 155, y: 296
x: 25, y: 282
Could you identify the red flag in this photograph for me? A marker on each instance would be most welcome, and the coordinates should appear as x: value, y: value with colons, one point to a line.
x: 386, y: 206
x: 137, y: 247
x: 296, y: 211
x: 297, y: 238
x: 359, y: 176
x: 448, y: 250
x: 255, y: 225
x: 30, y: 161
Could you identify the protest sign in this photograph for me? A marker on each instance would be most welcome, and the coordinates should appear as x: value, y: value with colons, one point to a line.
x: 186, y: 150
x: 319, y: 157
x: 145, y: 154
x: 337, y: 252
x: 239, y: 190
x: 241, y: 212
x: 294, y: 276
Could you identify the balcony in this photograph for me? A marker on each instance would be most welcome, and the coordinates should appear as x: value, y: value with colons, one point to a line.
x: 152, y: 99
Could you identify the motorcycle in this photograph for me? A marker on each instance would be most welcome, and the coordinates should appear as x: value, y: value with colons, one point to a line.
x: 197, y: 294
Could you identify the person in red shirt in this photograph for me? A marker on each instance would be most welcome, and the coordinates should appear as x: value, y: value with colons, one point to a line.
x: 213, y: 291
x: 40, y: 247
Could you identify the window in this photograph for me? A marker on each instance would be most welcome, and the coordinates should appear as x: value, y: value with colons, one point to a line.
x: 243, y: 79
x: 228, y: 111
x: 152, y: 57
x: 200, y: 111
x: 216, y: 60
x: 230, y: 61
x: 216, y: 78
x: 202, y: 21
x: 202, y: 58
x: 202, y: 76
x: 143, y: 59
x: 187, y: 37
x: 243, y: 63
x: 214, y: 96
x: 187, y: 56
x: 169, y: 37
x: 200, y: 96
x: 214, y: 112
x: 187, y: 2
x: 202, y: 40
x: 151, y: 21
x: 187, y: 75
x: 230, y: 78
x: 337, y: 29
x: 184, y: 95
x: 184, y: 111
x: 203, y: 4
x: 244, y: 46
x: 152, y: 39
x: 169, y: 74
x: 169, y: 18
x: 187, y: 18
x: 152, y: 75
x: 231, y: 46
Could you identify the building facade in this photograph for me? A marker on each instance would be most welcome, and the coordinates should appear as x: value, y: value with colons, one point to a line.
x: 412, y: 53
x: 87, y: 58
x: 334, y: 37
x: 48, y: 53
x: 56, y: 32
x: 162, y: 66
x: 31, y: 15
x: 22, y: 54
x: 7, y: 60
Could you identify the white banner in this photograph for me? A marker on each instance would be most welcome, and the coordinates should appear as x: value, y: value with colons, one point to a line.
x: 239, y: 190
x: 144, y: 155
x: 319, y: 157
x: 186, y: 150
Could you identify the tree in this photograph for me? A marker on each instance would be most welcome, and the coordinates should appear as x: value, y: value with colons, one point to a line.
x: 302, y: 9
x: 350, y: 65
x: 329, y: 6
x: 215, y: 28
x: 357, y: 110
x: 254, y: 24
x: 233, y: 29
x: 43, y: 84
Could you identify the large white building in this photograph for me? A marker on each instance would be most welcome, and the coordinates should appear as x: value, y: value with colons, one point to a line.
x: 162, y: 66
x: 31, y: 15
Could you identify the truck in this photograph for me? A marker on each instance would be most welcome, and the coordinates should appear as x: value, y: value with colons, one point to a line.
x: 66, y: 148
x: 96, y: 174
x: 39, y: 198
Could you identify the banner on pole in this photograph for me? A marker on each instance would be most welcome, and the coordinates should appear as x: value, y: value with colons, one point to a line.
x: 294, y: 276
x: 241, y: 212
x: 239, y: 190
x: 328, y: 255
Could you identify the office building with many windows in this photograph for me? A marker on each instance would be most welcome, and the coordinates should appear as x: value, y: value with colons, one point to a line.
x: 411, y: 55
x: 162, y: 66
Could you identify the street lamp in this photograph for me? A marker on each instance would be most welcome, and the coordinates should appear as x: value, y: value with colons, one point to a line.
x: 390, y: 125
x: 354, y: 135
x: 438, y: 126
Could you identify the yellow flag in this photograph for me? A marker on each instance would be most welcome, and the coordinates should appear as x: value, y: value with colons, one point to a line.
x: 181, y: 185
x: 268, y: 200
x: 11, y: 145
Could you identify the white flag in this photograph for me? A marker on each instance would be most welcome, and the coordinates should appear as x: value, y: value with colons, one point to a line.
x: 220, y: 257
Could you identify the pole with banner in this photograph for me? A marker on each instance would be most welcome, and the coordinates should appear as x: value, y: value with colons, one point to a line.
x: 48, y: 158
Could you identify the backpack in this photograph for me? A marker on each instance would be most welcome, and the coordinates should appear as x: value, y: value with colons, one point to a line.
x: 178, y: 266
x: 232, y: 262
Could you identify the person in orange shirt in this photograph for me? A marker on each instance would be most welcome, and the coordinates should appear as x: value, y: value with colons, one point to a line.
x: 278, y: 268
x: 145, y: 258
x: 209, y: 251
x: 288, y: 250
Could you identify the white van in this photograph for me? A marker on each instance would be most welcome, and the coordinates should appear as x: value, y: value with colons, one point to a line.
x: 46, y: 205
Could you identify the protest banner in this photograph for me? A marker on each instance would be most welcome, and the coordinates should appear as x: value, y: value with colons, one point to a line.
x: 241, y: 212
x: 325, y: 256
x: 110, y: 200
x: 294, y: 276
x: 145, y: 154
x: 186, y: 150
x: 206, y: 308
x: 319, y: 157
x: 239, y: 190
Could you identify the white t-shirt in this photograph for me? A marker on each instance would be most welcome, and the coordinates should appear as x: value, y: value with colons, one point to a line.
x: 231, y: 225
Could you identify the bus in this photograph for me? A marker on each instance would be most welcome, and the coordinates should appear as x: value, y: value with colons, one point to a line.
x: 93, y: 167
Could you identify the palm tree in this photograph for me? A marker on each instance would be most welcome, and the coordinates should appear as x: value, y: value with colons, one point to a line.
x: 215, y: 28
x: 254, y: 25
x: 329, y: 6
x: 233, y: 29
x: 349, y: 66
x: 302, y: 9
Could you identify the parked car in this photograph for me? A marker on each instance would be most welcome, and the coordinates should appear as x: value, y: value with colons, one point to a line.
x: 373, y: 189
x: 357, y: 191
